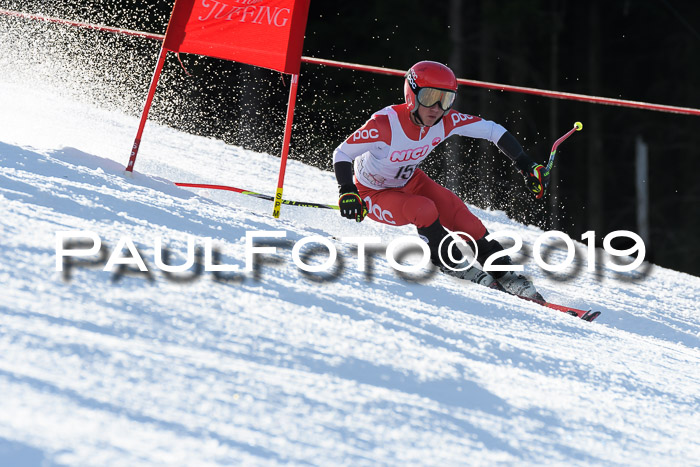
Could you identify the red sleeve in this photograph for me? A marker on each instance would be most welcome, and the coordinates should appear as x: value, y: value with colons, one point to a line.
x: 376, y: 129
x: 454, y: 119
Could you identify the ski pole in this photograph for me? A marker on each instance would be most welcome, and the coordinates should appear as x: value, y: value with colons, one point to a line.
x: 578, y: 126
x: 257, y: 195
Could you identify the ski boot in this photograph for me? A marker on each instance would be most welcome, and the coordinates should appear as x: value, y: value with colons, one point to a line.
x: 517, y: 284
x: 476, y: 275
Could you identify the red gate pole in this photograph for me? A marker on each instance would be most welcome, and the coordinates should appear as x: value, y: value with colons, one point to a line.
x: 285, y: 143
x: 146, y: 108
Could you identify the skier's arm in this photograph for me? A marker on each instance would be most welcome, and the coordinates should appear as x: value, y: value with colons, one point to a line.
x: 343, y: 172
x: 343, y: 158
x: 475, y: 127
x: 536, y: 175
x: 373, y: 137
x: 350, y: 204
x: 515, y: 152
x: 366, y: 139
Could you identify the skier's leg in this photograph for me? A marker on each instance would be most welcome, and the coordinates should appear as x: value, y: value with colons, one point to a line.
x: 400, y: 207
x: 511, y: 281
x: 395, y: 206
x: 456, y: 216
x: 445, y: 254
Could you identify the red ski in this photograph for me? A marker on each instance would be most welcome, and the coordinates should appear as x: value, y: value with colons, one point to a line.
x: 583, y: 314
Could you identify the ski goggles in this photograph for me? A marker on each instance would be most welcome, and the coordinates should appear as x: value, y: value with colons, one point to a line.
x: 428, y: 97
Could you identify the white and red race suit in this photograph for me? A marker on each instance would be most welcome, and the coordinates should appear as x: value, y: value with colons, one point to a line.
x: 386, y: 153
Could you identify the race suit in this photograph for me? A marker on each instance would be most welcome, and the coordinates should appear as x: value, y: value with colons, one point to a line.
x: 386, y: 153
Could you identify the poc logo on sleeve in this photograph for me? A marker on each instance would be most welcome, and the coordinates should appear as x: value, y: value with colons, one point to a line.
x: 365, y: 134
x: 458, y: 118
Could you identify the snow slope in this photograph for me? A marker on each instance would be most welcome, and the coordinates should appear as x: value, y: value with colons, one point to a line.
x: 276, y: 366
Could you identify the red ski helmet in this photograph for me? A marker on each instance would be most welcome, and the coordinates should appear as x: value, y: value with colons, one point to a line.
x: 432, y: 75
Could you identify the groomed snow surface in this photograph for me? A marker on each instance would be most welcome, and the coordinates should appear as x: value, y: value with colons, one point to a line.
x: 278, y: 366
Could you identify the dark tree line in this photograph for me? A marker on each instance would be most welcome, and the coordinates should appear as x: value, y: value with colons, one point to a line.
x: 646, y: 50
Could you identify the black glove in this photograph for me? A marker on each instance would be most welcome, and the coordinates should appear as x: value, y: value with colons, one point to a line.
x: 537, y: 179
x: 350, y: 203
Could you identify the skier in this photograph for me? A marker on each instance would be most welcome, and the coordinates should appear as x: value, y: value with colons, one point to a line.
x: 390, y: 188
